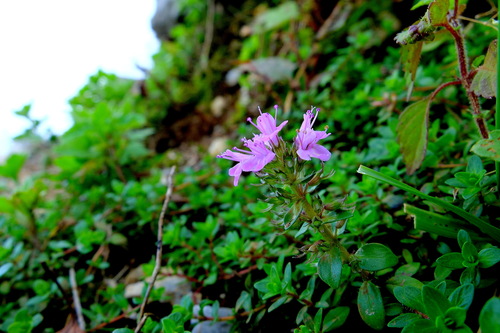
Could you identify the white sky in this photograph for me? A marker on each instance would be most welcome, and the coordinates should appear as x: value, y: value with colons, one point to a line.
x: 49, y: 48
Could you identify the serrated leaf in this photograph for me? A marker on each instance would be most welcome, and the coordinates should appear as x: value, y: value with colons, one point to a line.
x: 410, y: 58
x: 437, y: 11
x: 412, y: 132
x: 489, y: 148
x: 421, y: 3
x: 485, y: 82
x: 371, y: 306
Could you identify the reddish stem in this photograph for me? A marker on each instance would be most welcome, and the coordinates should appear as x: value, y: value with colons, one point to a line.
x: 466, y: 80
x: 444, y: 85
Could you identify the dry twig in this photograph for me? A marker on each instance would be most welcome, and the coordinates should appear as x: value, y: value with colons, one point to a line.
x: 76, y: 299
x: 159, y: 244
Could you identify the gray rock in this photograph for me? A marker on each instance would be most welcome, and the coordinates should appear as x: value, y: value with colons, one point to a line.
x: 165, y: 17
x: 208, y: 311
x: 174, y: 286
x: 211, y: 327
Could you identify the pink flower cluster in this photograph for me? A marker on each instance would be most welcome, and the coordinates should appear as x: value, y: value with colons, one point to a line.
x: 261, y: 145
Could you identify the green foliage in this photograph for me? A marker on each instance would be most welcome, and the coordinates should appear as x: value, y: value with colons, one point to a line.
x: 488, y: 148
x: 315, y: 246
x: 412, y: 134
x: 485, y: 81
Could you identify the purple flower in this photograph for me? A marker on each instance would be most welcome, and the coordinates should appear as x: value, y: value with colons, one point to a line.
x: 307, y: 139
x: 266, y: 124
x: 253, y: 160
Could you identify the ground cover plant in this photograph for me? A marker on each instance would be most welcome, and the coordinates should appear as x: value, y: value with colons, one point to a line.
x: 361, y: 192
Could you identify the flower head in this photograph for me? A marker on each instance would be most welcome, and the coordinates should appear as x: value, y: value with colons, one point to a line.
x: 266, y: 124
x: 307, y: 139
x: 253, y: 160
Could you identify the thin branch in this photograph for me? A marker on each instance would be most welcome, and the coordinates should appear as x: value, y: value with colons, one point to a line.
x: 76, y: 299
x: 444, y: 85
x: 209, y: 35
x: 159, y: 244
x: 323, y: 30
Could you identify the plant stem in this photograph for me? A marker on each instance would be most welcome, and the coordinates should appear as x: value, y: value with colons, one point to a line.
x: 159, y: 247
x: 467, y: 80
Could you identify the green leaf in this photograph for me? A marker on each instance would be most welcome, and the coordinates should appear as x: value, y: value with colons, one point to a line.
x: 335, y: 318
x: 475, y: 165
x: 12, y: 166
x: 244, y: 301
x: 488, y: 257
x: 412, y: 134
x: 462, y: 237
x: 25, y: 111
x: 41, y: 287
x: 279, y: 302
x: 276, y: 17
x: 375, y: 257
x: 19, y: 327
x: 403, y: 320
x: 408, y: 269
x: 421, y: 3
x: 308, y: 292
x: 435, y: 303
x: 484, y: 226
x: 410, y: 58
x: 469, y: 252
x: 489, y: 318
x: 470, y: 275
x: 452, y: 260
x: 318, y: 319
x: 442, y: 225
x: 5, y: 268
x: 489, y: 148
x: 437, y: 12
x: 292, y: 215
x: 123, y: 330
x: 403, y: 280
x: 421, y: 326
x: 410, y: 296
x: 455, y: 316
x: 462, y: 296
x: 371, y: 306
x: 485, y: 82
x: 330, y: 267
